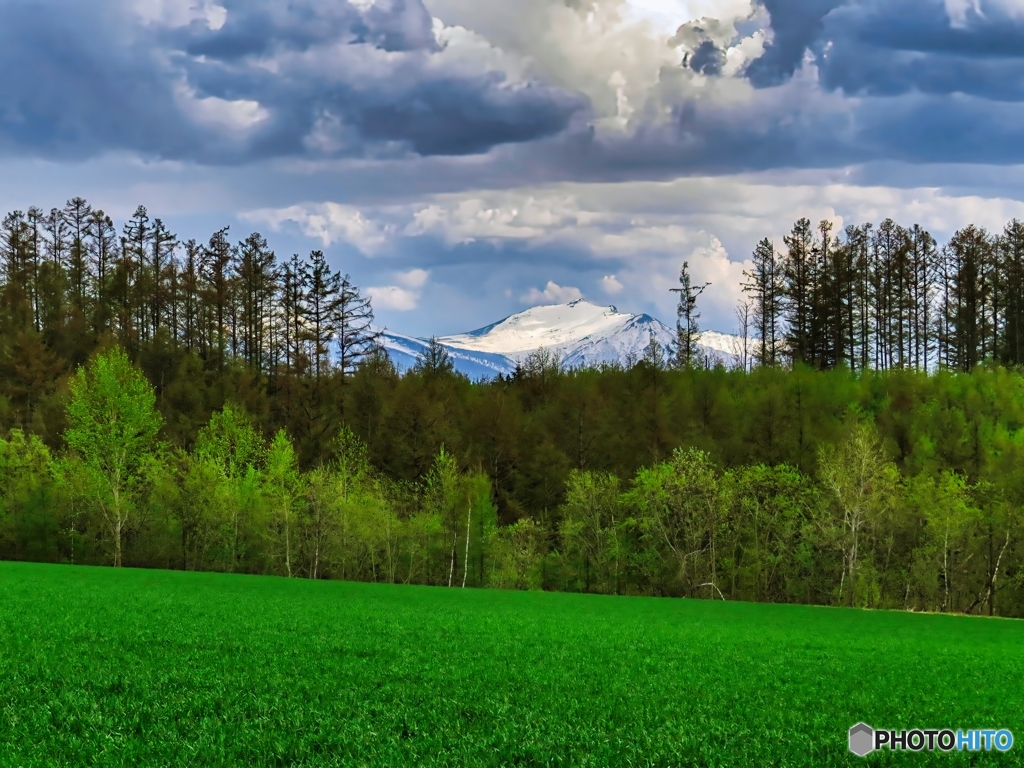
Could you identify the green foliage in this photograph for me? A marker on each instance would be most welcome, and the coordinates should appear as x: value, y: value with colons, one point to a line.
x: 861, y: 485
x: 230, y: 442
x: 945, y: 534
x: 113, y: 426
x: 518, y: 552
x: 229, y: 453
x: 771, y: 517
x: 680, y: 506
x: 283, y: 489
x: 639, y: 479
x: 592, y: 532
x: 25, y: 528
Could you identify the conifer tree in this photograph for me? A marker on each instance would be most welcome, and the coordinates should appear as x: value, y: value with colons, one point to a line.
x: 323, y: 310
x: 434, y: 360
x: 798, y: 271
x: 291, y: 315
x: 357, y: 338
x: 654, y: 354
x: 218, y: 257
x: 161, y: 269
x: 687, y: 317
x: 1011, y: 264
x: 256, y: 277
x: 134, y: 283
x: 923, y: 256
x: 77, y: 213
x: 765, y: 285
x: 965, y: 326
x: 102, y: 251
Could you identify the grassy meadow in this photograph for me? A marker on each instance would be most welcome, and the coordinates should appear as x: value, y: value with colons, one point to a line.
x: 128, y: 667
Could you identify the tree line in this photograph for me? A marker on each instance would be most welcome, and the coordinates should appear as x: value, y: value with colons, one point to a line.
x: 218, y: 300
x: 218, y: 311
x: 888, y: 297
x: 660, y: 478
x: 855, y: 532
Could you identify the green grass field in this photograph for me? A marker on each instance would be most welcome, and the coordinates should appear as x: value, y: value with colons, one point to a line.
x: 105, y: 667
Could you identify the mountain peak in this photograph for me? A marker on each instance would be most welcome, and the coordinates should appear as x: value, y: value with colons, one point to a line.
x: 579, y: 333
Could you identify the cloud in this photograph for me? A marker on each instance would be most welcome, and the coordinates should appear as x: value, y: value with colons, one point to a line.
x: 180, y: 13
x: 237, y: 117
x: 403, y: 297
x: 413, y: 279
x: 611, y: 285
x: 795, y: 25
x: 481, y: 151
x: 177, y: 80
x: 786, y: 83
x: 467, y: 218
x: 329, y: 223
x: 553, y: 293
x: 872, y: 48
x: 554, y: 243
x: 393, y: 297
x: 536, y: 90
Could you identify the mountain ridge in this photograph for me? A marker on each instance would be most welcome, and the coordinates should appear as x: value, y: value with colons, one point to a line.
x: 580, y: 333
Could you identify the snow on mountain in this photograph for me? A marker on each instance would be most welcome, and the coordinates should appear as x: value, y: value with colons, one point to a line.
x: 727, y: 346
x: 579, y: 333
x: 404, y: 351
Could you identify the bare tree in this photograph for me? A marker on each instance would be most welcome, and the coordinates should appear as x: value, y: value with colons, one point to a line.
x: 744, y: 311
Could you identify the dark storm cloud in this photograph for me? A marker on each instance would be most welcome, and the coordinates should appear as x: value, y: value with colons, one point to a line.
x: 73, y: 82
x: 255, y: 27
x: 876, y: 47
x: 911, y: 46
x: 796, y: 26
x: 928, y: 88
x: 337, y: 80
x: 78, y: 79
x: 707, y: 59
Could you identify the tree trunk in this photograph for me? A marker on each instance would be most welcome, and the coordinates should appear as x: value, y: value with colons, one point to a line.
x: 465, y: 560
x: 117, y: 543
x: 288, y: 544
x: 451, y: 568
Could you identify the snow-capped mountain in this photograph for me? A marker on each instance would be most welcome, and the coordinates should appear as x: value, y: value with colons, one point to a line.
x: 404, y: 351
x: 579, y: 333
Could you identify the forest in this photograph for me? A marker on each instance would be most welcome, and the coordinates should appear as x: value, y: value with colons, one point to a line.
x: 209, y: 406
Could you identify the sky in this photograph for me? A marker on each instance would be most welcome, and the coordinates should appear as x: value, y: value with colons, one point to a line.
x: 466, y: 159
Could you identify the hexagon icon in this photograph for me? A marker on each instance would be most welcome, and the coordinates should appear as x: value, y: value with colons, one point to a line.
x: 862, y: 739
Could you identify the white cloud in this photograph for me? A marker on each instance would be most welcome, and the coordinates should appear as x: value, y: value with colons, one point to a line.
x: 611, y: 285
x: 639, y: 233
x: 473, y: 52
x: 553, y: 293
x: 329, y: 223
x: 393, y: 297
x: 233, y: 117
x: 668, y: 15
x: 617, y: 52
x: 413, y: 279
x: 515, y: 216
x: 403, y: 297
